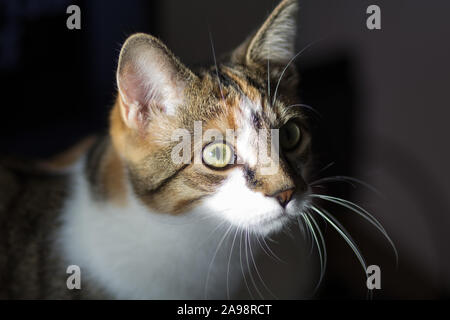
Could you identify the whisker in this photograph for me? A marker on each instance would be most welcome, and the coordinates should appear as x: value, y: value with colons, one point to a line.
x: 322, y: 240
x: 271, y: 240
x: 271, y: 251
x: 242, y: 266
x: 319, y: 250
x: 257, y: 271
x: 229, y: 261
x: 214, y: 256
x: 287, y: 230
x: 215, y: 229
x: 353, y: 207
x: 302, y: 228
x: 248, y: 267
x: 263, y: 249
x: 322, y: 170
x: 364, y: 214
x: 309, y: 234
x: 343, y: 232
x: 215, y: 64
x: 348, y: 180
x: 306, y: 107
x: 287, y: 65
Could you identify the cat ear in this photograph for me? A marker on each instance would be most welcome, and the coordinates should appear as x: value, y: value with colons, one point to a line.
x: 275, y: 40
x: 150, y: 80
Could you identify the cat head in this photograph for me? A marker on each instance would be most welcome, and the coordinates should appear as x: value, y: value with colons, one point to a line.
x: 219, y: 116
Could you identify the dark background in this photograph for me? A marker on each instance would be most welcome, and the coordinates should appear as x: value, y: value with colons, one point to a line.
x: 383, y: 97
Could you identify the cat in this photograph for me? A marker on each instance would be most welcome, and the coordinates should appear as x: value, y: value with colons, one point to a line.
x: 142, y: 226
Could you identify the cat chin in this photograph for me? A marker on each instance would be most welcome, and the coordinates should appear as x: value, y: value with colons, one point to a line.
x: 269, y: 227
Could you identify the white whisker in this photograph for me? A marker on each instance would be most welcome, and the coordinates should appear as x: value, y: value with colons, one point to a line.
x: 229, y: 261
x: 271, y: 251
x: 363, y: 213
x: 248, y: 266
x: 214, y: 256
x: 348, y: 180
x: 287, y: 65
x: 306, y: 107
x: 309, y: 234
x: 343, y: 232
x: 322, y: 170
x: 215, y: 229
x: 215, y: 64
x: 242, y: 266
x: 263, y: 249
x: 322, y: 256
x: 257, y: 271
x: 322, y: 240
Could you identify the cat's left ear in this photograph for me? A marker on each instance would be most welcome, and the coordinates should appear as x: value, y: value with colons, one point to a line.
x: 275, y: 39
x: 150, y: 79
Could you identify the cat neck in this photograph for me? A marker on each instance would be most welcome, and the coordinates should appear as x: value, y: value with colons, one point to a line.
x: 105, y: 172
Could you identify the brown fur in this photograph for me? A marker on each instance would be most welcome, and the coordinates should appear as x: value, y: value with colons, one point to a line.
x: 31, y: 267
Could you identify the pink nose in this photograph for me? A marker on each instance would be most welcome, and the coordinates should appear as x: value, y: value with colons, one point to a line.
x: 285, y: 196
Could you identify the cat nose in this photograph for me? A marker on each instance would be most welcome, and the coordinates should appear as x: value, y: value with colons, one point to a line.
x: 285, y: 196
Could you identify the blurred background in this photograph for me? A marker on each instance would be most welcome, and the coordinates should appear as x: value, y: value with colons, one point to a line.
x: 383, y: 96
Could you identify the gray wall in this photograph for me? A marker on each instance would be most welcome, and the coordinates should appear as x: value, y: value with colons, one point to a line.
x: 402, y: 74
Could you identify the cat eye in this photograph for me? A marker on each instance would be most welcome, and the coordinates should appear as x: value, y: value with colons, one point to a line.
x: 290, y: 135
x: 217, y: 155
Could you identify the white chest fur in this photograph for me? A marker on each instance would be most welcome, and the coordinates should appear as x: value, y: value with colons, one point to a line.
x: 136, y: 254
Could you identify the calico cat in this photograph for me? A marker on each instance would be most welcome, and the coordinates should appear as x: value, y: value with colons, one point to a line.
x: 140, y: 225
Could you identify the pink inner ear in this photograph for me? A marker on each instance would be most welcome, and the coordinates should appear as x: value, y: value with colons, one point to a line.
x: 148, y: 80
x: 134, y: 87
x: 139, y: 95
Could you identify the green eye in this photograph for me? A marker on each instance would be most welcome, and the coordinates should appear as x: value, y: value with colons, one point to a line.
x: 217, y: 154
x: 290, y: 135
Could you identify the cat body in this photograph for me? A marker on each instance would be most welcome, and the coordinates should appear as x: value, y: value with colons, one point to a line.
x: 140, y: 255
x: 141, y: 225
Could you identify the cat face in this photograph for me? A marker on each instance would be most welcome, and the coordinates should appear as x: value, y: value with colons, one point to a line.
x: 246, y: 99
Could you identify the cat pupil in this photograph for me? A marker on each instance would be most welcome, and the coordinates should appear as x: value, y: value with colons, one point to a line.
x: 288, y: 135
x: 217, y: 153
